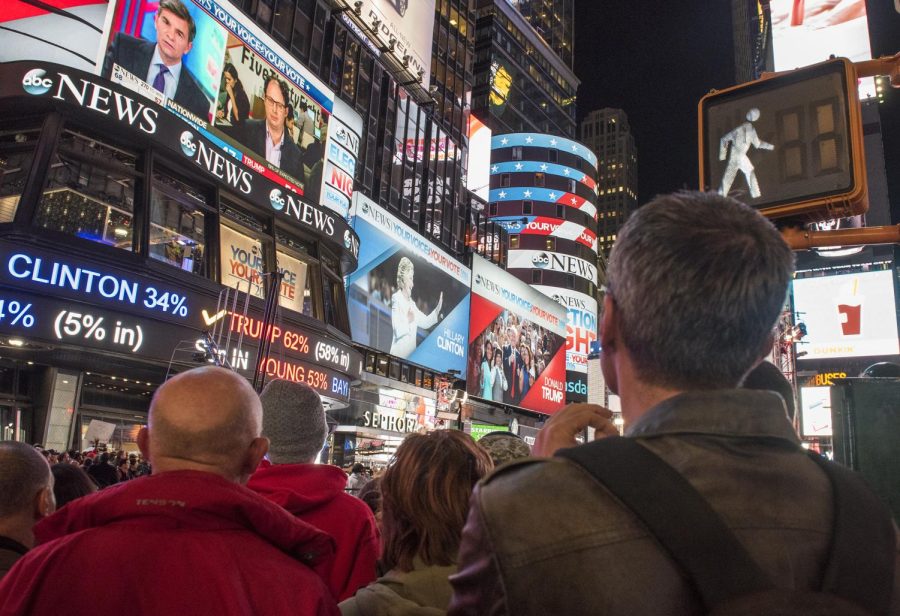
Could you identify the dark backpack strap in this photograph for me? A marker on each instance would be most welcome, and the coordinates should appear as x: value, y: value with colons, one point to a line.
x: 695, y: 537
x: 855, y: 571
x: 680, y: 519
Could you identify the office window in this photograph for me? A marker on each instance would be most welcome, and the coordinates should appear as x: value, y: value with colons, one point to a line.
x: 537, y: 276
x: 552, y: 155
x: 513, y: 241
x: 539, y: 179
x: 527, y: 207
x: 517, y: 153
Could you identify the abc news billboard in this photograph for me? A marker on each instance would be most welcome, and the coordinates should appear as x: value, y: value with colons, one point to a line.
x: 516, y: 342
x: 581, y: 331
x: 407, y: 297
x: 209, y: 65
x: 552, y: 261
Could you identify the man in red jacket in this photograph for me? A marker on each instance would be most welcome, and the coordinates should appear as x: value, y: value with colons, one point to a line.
x: 294, y: 422
x: 204, y: 543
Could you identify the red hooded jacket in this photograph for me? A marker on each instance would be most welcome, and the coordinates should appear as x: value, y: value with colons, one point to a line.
x: 187, y: 542
x: 315, y: 494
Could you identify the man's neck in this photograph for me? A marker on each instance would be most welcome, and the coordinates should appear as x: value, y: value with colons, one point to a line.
x: 18, y: 529
x: 275, y: 137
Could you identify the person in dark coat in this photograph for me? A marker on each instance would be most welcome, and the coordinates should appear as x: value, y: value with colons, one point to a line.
x: 160, y: 64
x: 102, y: 472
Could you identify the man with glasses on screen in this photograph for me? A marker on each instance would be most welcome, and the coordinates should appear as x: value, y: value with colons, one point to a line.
x: 160, y: 64
x: 270, y: 137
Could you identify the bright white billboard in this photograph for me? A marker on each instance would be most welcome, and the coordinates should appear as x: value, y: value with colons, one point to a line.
x: 852, y: 315
x: 809, y: 32
x: 478, y: 179
x: 815, y: 411
x: 552, y: 261
x: 406, y: 27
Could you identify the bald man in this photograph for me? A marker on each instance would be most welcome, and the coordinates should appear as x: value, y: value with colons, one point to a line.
x: 203, y: 542
x: 26, y: 497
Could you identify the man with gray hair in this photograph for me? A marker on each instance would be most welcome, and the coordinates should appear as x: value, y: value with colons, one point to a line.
x: 294, y: 422
x: 207, y: 544
x: 26, y: 497
x: 696, y: 284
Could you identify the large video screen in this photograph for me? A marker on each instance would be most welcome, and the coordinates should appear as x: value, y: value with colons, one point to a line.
x: 210, y: 65
x: 852, y: 315
x: 808, y: 32
x: 516, y: 342
x: 407, y: 297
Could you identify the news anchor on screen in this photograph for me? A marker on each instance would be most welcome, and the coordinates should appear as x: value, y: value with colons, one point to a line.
x: 270, y: 137
x: 160, y: 64
x: 406, y: 317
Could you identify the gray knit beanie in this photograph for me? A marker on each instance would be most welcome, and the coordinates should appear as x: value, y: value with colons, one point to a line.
x: 293, y: 421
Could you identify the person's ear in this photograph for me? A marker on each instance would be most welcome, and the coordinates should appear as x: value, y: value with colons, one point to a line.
x: 609, y: 324
x: 257, y: 450
x: 143, y: 442
x: 44, y: 503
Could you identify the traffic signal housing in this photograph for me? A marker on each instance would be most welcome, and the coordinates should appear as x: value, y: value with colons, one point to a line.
x: 790, y: 145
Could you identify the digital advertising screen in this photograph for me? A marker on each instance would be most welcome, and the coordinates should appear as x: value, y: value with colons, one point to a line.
x: 404, y: 27
x: 851, y: 315
x: 811, y: 31
x: 407, y: 297
x: 208, y: 63
x: 581, y: 331
x: 516, y: 342
x: 478, y: 179
x: 815, y: 411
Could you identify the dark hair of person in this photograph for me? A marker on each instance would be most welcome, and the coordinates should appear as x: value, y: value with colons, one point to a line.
x: 425, y: 497
x: 238, y: 86
x: 180, y: 10
x: 282, y: 85
x: 70, y: 482
x: 370, y: 494
x: 358, y: 468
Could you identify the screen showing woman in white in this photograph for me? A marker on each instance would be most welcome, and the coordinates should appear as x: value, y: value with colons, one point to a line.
x: 406, y: 317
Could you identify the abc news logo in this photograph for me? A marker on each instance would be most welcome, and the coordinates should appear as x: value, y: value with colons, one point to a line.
x: 36, y: 82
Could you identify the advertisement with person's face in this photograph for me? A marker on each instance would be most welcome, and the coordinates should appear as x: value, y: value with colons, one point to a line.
x: 516, y: 342
x: 204, y: 61
x: 407, y: 297
x: 852, y: 315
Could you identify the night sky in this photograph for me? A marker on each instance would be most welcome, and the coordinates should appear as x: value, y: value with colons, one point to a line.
x: 656, y: 58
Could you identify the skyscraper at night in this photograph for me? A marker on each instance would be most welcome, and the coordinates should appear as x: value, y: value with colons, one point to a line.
x: 523, y: 76
x: 607, y: 133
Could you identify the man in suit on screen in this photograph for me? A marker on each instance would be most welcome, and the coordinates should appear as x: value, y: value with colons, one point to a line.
x: 160, y: 64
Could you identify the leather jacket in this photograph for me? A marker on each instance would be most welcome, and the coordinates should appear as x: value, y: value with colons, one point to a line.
x: 543, y: 537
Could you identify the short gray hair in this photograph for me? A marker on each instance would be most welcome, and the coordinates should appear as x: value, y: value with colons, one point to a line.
x: 699, y: 281
x: 23, y: 473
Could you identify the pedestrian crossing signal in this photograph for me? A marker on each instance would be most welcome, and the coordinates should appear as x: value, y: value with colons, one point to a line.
x: 790, y: 145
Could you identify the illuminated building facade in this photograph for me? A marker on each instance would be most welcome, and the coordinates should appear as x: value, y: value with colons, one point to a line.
x: 543, y: 192
x: 554, y: 20
x: 165, y: 218
x: 521, y: 83
x: 607, y: 133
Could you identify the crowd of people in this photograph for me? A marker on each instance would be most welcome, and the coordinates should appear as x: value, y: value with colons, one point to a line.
x: 237, y: 518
